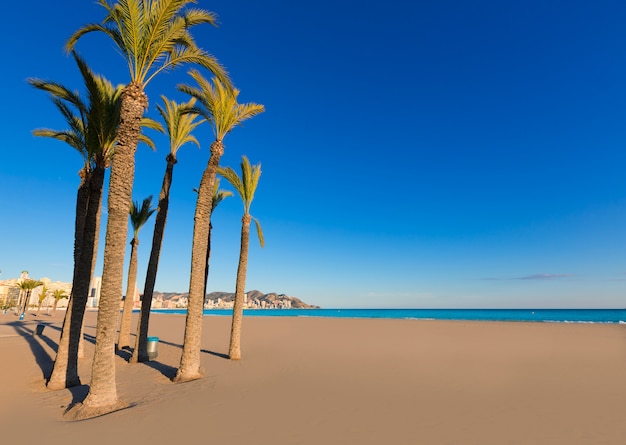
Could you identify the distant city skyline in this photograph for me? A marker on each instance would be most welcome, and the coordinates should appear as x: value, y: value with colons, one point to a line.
x: 414, y: 154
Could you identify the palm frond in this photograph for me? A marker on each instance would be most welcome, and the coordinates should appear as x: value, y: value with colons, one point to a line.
x: 231, y: 176
x: 259, y: 232
x: 219, y: 194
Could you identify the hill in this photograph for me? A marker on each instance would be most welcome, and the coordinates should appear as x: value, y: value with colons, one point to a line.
x: 255, y: 299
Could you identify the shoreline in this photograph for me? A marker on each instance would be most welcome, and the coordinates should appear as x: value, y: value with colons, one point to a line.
x: 308, y: 380
x: 599, y: 316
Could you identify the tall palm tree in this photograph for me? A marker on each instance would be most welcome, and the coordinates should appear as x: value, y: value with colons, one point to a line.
x: 58, y: 294
x: 92, y: 127
x: 218, y: 105
x: 218, y: 196
x: 246, y: 187
x: 138, y: 218
x: 179, y: 124
x: 27, y: 286
x: 152, y: 36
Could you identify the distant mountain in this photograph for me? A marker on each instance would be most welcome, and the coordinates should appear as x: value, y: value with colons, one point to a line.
x: 255, y: 297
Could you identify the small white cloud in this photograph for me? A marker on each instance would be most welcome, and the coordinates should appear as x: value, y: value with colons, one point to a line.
x: 544, y: 276
x: 536, y: 276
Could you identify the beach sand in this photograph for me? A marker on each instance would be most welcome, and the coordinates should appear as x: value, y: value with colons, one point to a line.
x: 335, y: 381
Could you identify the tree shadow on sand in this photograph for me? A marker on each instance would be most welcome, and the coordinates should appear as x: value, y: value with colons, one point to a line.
x: 204, y: 351
x: 42, y: 358
x: 167, y: 370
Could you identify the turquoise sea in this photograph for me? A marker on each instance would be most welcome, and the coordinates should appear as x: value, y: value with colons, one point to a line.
x: 527, y: 315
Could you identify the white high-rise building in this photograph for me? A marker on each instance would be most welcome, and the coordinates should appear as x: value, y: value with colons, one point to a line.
x: 94, y: 294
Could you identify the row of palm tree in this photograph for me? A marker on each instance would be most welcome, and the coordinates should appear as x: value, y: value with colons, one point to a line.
x: 153, y: 36
x: 26, y: 288
x: 29, y: 285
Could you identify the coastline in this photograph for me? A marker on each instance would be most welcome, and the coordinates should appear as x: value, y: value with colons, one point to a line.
x: 525, y: 315
x: 307, y: 380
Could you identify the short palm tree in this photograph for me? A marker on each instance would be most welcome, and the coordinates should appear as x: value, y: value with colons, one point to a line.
x: 58, y: 295
x: 138, y: 218
x: 179, y: 124
x: 43, y: 294
x: 27, y: 286
x: 245, y: 185
x: 152, y: 36
x: 218, y: 105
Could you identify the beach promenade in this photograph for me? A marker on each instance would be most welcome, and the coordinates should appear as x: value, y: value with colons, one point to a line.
x: 335, y: 381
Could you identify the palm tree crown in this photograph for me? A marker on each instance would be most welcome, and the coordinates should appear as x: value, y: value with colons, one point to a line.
x: 139, y: 215
x: 219, y: 104
x: 92, y: 123
x: 153, y: 36
x: 179, y: 123
x: 29, y: 284
x: 245, y: 187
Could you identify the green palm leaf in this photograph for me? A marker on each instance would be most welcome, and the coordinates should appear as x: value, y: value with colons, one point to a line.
x: 245, y: 185
x: 219, y: 104
x: 153, y: 36
x: 139, y: 215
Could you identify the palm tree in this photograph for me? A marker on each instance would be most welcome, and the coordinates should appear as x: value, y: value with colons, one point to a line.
x: 27, y: 286
x: 245, y: 187
x: 58, y: 294
x: 138, y: 218
x: 220, y: 108
x: 152, y: 36
x: 92, y: 126
x: 218, y: 196
x: 43, y: 294
x: 179, y: 124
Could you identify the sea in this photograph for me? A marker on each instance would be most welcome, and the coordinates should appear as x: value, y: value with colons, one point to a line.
x: 616, y: 316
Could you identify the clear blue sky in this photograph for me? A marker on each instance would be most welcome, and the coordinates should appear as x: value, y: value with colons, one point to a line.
x: 414, y: 153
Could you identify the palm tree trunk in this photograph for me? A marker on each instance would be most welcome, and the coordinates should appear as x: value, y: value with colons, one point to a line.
x: 26, y: 301
x: 81, y: 341
x: 102, y: 396
x: 65, y: 370
x: 82, y: 201
x: 234, y: 351
x: 208, y: 257
x: 123, y: 340
x: 189, y: 368
x: 140, y: 354
x: 58, y: 379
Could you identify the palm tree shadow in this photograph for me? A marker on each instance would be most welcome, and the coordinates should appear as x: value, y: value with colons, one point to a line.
x: 205, y: 351
x: 167, y: 370
x: 216, y: 354
x: 79, y: 394
x: 42, y: 358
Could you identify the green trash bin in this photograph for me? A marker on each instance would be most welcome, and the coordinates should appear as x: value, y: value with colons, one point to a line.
x: 153, y: 347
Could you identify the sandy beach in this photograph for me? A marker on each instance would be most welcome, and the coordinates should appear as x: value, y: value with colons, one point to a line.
x: 335, y: 381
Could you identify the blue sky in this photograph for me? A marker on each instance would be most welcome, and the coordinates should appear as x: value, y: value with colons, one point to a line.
x: 414, y: 154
